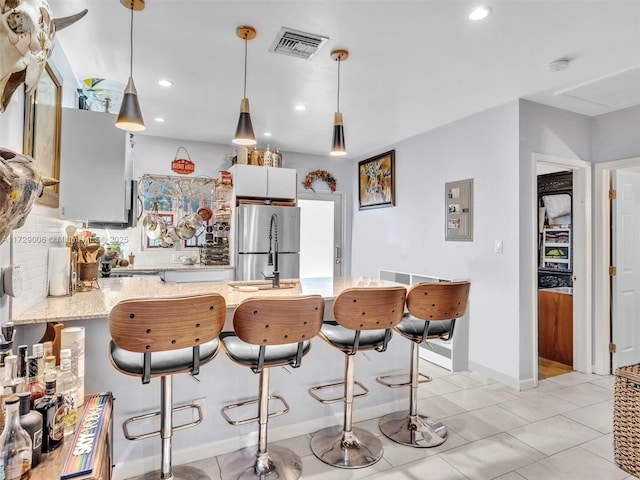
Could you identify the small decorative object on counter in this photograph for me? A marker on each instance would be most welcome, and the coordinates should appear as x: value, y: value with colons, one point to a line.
x: 34, y: 387
x: 15, y: 461
x: 132, y: 259
x: 73, y: 339
x: 31, y: 421
x: 89, y: 456
x: 68, y: 387
x: 51, y: 407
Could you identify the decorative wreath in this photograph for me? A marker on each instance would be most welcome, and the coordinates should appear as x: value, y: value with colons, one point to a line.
x: 319, y: 175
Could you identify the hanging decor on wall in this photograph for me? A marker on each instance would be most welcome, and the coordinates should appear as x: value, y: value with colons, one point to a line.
x: 183, y: 166
x: 319, y: 175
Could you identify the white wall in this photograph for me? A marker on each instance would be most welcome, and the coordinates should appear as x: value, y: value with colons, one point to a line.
x: 551, y: 131
x: 616, y: 135
x: 410, y: 236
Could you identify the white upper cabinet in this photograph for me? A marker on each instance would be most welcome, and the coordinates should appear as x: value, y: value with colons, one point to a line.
x: 264, y: 182
x: 94, y: 179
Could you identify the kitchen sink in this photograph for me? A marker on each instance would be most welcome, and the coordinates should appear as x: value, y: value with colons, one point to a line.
x: 253, y: 285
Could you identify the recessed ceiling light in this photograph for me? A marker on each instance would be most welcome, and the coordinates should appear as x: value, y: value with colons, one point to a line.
x: 558, y: 65
x: 267, y: 134
x: 159, y: 119
x: 479, y: 13
x: 165, y: 83
x: 300, y: 107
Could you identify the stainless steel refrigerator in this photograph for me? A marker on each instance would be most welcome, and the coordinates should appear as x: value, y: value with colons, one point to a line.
x: 267, y: 235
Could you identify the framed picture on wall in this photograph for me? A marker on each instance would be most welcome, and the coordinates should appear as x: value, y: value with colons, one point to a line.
x: 458, y: 200
x: 376, y: 181
x: 42, y: 124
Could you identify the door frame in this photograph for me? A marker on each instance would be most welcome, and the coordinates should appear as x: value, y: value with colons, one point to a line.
x: 339, y: 222
x: 602, y: 259
x: 582, y: 325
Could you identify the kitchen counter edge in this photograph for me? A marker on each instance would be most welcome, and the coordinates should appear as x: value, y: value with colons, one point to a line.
x: 98, y: 303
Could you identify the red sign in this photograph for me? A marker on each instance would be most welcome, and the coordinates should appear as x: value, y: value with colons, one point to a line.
x: 180, y: 165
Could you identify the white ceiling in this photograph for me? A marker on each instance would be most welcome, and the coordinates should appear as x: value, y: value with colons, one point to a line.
x: 413, y: 65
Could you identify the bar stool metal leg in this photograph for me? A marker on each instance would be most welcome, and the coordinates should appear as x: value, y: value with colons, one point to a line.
x: 268, y: 462
x: 347, y: 446
x: 410, y: 428
x: 166, y: 420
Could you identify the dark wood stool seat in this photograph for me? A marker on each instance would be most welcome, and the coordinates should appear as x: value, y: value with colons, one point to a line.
x: 364, y: 319
x: 433, y: 310
x: 269, y: 332
x: 161, y: 337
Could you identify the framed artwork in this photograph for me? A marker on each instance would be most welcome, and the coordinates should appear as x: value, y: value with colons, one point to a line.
x: 376, y: 181
x: 42, y: 125
x: 458, y: 200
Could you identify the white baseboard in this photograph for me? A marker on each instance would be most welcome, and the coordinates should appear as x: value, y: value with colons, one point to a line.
x: 514, y: 383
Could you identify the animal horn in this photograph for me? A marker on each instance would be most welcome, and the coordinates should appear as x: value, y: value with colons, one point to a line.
x: 49, y: 182
x: 65, y: 22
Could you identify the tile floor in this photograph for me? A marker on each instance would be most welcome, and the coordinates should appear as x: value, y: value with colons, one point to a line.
x: 559, y: 431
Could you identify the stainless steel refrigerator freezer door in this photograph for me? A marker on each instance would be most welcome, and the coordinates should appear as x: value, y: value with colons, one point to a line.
x: 253, y: 222
x: 251, y: 266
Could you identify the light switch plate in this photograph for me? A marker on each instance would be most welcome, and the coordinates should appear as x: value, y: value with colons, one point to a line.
x: 498, y: 246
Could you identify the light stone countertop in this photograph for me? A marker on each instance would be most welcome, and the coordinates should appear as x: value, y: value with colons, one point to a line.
x: 98, y: 303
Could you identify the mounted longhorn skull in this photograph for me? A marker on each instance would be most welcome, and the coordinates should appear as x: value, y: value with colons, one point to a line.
x: 20, y: 185
x: 27, y: 29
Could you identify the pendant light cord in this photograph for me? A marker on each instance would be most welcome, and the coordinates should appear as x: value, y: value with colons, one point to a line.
x: 131, y: 44
x: 339, y: 59
x: 245, y: 66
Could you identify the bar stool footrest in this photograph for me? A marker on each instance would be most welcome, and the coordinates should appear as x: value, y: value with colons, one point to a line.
x: 244, y: 421
x: 364, y: 391
x: 387, y: 380
x: 155, y: 433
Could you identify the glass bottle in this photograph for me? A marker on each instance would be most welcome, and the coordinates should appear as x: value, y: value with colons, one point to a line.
x: 15, y: 461
x: 34, y: 386
x: 31, y: 421
x: 22, y: 361
x: 38, y: 353
x: 51, y: 407
x: 68, y: 387
x: 48, y: 349
x: 11, y: 371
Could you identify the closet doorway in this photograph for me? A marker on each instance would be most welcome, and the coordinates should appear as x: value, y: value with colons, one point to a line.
x: 576, y: 297
x: 555, y: 271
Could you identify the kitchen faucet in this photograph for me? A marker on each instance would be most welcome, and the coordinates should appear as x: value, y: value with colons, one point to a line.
x: 272, y: 258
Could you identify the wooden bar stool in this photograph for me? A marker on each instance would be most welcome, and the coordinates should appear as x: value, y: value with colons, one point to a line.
x: 269, y: 332
x: 364, y: 319
x: 433, y: 308
x: 161, y: 337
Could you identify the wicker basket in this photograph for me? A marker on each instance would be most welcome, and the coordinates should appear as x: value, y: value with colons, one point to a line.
x: 626, y: 419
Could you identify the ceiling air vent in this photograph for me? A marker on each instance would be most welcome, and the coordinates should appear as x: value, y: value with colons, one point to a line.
x: 297, y: 44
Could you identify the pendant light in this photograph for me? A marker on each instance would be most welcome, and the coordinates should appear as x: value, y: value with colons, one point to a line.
x: 244, y: 130
x: 338, y: 147
x: 130, y: 116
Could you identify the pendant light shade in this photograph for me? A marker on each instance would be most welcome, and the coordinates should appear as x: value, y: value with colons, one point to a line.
x: 338, y: 146
x: 130, y: 115
x: 244, y: 131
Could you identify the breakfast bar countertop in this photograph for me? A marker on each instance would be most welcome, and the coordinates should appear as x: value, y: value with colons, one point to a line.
x: 97, y: 303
